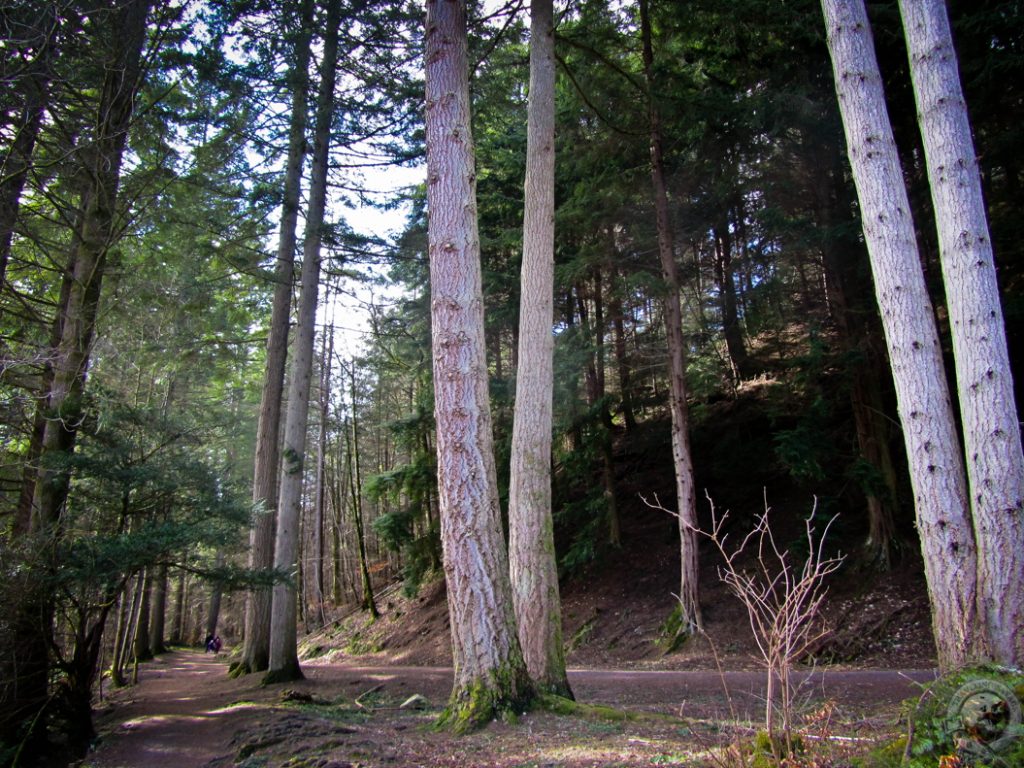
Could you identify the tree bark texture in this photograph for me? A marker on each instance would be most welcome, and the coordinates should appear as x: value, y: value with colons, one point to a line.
x: 686, y: 498
x: 531, y: 532
x: 926, y: 414
x: 256, y: 653
x: 490, y: 674
x: 284, y: 659
x: 995, y: 462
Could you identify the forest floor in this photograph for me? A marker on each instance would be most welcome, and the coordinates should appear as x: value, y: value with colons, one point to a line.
x: 875, y: 649
x: 185, y: 711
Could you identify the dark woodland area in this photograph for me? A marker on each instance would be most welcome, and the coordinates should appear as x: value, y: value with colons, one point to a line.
x: 692, y: 343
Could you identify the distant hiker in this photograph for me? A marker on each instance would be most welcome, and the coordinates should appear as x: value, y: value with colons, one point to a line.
x: 208, y: 643
x: 215, y: 644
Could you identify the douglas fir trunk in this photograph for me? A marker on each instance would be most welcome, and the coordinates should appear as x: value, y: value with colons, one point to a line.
x: 531, y: 536
x: 490, y: 674
x: 933, y: 453
x: 995, y: 463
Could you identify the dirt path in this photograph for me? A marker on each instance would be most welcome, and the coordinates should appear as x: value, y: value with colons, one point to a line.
x: 186, y: 712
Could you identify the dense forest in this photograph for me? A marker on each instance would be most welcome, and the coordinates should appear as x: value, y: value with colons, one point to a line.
x: 735, y: 238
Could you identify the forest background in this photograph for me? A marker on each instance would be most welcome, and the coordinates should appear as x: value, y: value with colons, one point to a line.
x: 145, y: 168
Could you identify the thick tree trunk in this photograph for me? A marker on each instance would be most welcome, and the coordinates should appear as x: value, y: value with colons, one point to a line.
x: 531, y: 544
x: 158, y: 611
x: 284, y: 659
x: 995, y: 462
x: 177, y: 633
x: 686, y: 498
x: 490, y: 674
x: 141, y: 650
x: 256, y: 653
x: 936, y: 464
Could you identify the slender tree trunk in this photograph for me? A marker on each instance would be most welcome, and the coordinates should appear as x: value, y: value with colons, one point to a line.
x: 216, y: 595
x: 995, y: 462
x: 686, y: 501
x: 929, y: 432
x: 622, y: 360
x: 531, y: 531
x: 256, y: 653
x: 320, y: 498
x: 490, y: 674
x: 121, y: 629
x: 725, y: 278
x: 284, y: 660
x: 334, y: 492
x: 355, y: 485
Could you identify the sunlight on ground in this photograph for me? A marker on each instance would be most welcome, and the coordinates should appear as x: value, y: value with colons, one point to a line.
x: 235, y: 708
x: 149, y: 720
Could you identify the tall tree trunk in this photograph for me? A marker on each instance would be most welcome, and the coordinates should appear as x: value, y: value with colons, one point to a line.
x: 216, y: 595
x: 158, y: 611
x: 490, y: 674
x: 335, y: 493
x: 121, y: 628
x: 256, y: 653
x: 995, y: 462
x: 141, y: 649
x: 320, y: 497
x: 622, y: 358
x: 531, y: 531
x: 726, y: 280
x: 177, y: 616
x: 33, y: 622
x: 284, y: 659
x: 686, y: 500
x: 929, y: 432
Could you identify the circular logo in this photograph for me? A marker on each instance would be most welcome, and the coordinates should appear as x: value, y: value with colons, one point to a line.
x: 984, y: 718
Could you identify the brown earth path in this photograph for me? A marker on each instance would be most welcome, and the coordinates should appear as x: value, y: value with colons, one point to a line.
x: 186, y: 712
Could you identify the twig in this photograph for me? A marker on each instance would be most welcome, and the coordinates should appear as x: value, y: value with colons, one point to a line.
x: 367, y: 692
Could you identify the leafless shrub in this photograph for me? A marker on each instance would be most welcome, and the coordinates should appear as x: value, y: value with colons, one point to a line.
x: 782, y: 597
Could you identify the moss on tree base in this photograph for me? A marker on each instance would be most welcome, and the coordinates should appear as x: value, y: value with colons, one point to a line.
x: 504, y: 694
x: 287, y: 674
